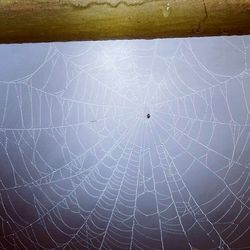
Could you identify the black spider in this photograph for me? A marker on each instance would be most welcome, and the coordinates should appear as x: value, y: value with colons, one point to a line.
x: 148, y: 116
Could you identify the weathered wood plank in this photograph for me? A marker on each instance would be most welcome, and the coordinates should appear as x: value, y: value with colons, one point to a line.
x: 67, y: 20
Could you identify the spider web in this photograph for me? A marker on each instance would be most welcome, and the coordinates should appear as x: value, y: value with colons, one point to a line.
x: 83, y: 167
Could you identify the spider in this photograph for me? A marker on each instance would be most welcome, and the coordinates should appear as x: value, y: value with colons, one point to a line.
x: 148, y: 116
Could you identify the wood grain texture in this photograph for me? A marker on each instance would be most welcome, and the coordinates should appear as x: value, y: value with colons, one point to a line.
x: 71, y: 20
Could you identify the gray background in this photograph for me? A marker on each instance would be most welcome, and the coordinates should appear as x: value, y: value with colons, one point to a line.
x: 82, y: 167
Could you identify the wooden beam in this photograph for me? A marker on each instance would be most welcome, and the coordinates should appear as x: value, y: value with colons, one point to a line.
x: 67, y: 20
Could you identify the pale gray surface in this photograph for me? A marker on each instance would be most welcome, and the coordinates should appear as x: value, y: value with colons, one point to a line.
x: 81, y: 166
